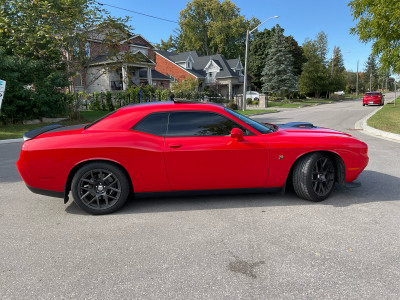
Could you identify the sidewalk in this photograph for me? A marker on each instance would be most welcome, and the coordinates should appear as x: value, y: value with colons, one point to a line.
x: 362, y: 124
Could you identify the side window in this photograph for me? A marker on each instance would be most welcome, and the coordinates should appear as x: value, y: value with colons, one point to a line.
x: 190, y: 123
x: 155, y: 124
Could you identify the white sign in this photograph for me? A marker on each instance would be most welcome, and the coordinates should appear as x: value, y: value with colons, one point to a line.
x: 2, y: 90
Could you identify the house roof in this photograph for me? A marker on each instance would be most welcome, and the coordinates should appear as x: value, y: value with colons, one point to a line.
x: 138, y: 58
x: 200, y: 62
x: 154, y: 74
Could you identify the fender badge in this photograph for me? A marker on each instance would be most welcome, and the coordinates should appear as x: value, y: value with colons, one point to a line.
x: 280, y: 157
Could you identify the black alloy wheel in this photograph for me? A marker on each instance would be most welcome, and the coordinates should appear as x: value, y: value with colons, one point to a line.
x: 314, y: 177
x: 100, y: 188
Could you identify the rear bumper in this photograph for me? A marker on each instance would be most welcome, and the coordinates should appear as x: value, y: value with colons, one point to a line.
x: 46, y: 192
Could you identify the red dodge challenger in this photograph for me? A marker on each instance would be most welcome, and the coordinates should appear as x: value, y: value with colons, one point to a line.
x: 181, y: 146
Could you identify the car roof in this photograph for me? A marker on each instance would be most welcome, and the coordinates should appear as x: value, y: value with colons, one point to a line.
x: 131, y: 113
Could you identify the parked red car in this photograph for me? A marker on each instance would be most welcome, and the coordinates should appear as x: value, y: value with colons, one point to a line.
x: 373, y: 98
x: 172, y: 146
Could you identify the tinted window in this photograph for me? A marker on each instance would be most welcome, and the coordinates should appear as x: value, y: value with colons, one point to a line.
x: 373, y: 94
x: 200, y: 124
x: 153, y: 124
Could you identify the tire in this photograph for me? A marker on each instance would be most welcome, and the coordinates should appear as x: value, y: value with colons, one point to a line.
x: 100, y: 188
x: 314, y: 177
x: 363, y: 104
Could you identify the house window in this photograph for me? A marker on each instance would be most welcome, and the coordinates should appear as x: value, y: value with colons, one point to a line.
x: 78, y: 79
x: 189, y: 65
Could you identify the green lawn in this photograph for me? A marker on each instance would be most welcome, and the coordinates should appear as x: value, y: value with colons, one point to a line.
x: 288, y: 105
x: 387, y: 119
x: 16, y: 131
x: 256, y: 111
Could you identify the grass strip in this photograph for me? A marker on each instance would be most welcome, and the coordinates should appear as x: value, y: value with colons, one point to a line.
x: 15, y: 131
x: 387, y: 119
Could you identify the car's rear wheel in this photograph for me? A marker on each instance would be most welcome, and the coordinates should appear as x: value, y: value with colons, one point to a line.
x: 314, y: 177
x: 100, y: 188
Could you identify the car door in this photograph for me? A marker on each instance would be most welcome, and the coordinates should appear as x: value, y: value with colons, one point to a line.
x: 200, y: 153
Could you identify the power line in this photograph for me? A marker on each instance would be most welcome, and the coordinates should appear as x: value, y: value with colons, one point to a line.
x: 139, y: 13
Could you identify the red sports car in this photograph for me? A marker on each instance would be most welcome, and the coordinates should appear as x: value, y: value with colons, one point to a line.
x: 173, y: 146
x: 373, y: 98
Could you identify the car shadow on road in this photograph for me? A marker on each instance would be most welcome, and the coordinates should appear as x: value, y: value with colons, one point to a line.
x: 372, y: 187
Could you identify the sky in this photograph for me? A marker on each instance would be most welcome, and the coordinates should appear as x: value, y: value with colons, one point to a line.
x: 300, y: 18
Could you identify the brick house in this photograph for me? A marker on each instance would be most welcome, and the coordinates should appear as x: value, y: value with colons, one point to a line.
x: 130, y: 62
x: 215, y: 72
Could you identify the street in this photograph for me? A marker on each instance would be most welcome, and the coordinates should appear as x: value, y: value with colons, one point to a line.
x: 230, y: 246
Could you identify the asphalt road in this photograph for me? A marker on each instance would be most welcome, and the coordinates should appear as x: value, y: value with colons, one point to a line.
x: 241, y: 246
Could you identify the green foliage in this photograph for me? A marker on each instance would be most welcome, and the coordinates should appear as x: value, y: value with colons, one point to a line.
x: 95, y: 104
x: 258, y: 54
x: 315, y: 75
x: 133, y: 93
x: 278, y: 72
x: 33, y: 88
x: 210, y: 26
x: 164, y: 95
x: 338, y: 72
x: 378, y: 22
x: 148, y: 92
x: 109, y: 103
x: 232, y: 105
x: 371, y: 74
x: 186, y: 86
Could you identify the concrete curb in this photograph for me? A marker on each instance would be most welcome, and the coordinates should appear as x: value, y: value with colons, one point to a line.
x: 362, y: 124
x: 11, y: 141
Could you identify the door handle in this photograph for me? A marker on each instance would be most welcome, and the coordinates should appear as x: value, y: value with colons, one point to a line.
x: 175, y: 145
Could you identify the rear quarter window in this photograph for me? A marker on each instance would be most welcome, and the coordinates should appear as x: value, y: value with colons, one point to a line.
x: 155, y: 124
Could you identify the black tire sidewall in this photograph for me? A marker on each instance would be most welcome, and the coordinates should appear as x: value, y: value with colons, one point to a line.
x: 302, y: 177
x: 117, y: 171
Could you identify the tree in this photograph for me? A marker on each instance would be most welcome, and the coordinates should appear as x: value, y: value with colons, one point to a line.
x: 371, y: 72
x: 315, y: 75
x: 278, y: 72
x: 338, y: 71
x: 297, y: 53
x: 258, y: 54
x: 378, y: 22
x: 51, y: 35
x: 211, y: 26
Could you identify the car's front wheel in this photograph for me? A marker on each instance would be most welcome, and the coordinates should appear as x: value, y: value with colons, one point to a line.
x: 314, y: 177
x: 100, y: 188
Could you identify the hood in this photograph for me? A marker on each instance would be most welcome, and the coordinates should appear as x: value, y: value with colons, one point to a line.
x: 309, y: 128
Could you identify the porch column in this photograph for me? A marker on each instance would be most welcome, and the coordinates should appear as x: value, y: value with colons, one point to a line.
x: 149, y: 78
x: 107, y: 71
x: 230, y: 90
x: 124, y: 77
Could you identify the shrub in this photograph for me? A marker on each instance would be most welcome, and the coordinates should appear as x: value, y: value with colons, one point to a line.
x: 232, y: 105
x: 95, y: 104
x: 109, y: 102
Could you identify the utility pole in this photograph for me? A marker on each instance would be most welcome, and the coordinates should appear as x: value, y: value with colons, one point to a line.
x: 357, y: 81
x: 395, y: 78
x: 370, y: 78
x: 333, y: 58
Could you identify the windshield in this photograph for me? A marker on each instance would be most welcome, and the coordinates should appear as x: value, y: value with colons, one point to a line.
x: 263, y: 128
x: 373, y: 94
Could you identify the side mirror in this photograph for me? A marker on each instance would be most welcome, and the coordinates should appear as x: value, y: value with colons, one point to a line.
x: 237, y: 134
